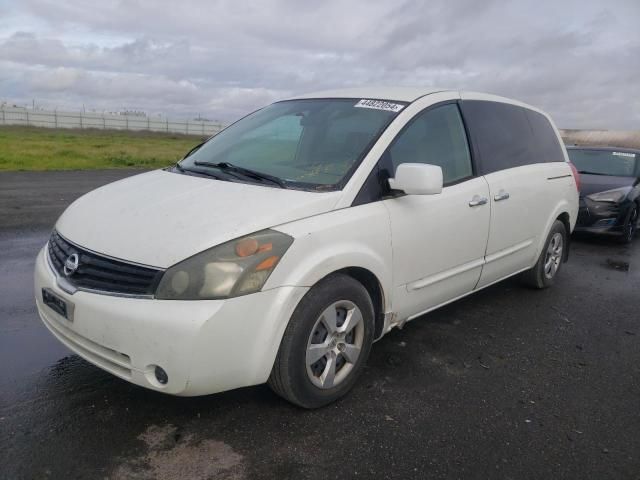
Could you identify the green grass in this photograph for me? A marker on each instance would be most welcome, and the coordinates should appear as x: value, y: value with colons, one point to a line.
x: 33, y: 148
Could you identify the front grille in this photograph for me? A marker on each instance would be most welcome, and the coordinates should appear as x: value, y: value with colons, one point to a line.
x: 101, y: 273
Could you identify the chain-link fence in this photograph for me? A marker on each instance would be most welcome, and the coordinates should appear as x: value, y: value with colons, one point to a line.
x: 105, y: 121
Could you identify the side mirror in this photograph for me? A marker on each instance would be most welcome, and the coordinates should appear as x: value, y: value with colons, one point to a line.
x: 417, y: 179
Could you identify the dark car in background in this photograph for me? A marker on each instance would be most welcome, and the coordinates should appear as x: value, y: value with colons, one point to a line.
x: 609, y: 190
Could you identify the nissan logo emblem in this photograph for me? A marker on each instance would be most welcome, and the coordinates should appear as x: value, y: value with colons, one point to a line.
x: 71, y: 264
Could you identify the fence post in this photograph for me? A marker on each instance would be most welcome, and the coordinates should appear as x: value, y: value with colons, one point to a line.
x: 81, y: 126
x: 187, y: 130
x: 4, y: 119
x: 167, y: 125
x: 126, y: 118
x: 203, y: 129
x: 55, y: 118
x: 104, y: 122
x: 148, y: 124
x: 27, y: 112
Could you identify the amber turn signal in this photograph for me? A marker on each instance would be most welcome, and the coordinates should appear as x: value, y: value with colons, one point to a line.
x: 267, y: 263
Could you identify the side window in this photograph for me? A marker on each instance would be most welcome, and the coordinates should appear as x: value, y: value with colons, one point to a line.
x: 502, y: 134
x: 547, y: 147
x: 437, y: 137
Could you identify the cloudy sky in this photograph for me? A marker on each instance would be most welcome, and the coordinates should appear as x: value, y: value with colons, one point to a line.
x: 579, y: 60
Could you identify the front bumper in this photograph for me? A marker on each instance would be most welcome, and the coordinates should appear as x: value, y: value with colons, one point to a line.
x: 599, y: 217
x: 205, y: 346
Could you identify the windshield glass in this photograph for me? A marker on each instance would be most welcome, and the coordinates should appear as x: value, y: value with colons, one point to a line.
x: 313, y: 144
x: 604, y: 162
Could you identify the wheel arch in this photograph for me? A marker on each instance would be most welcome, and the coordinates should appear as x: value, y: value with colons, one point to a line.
x: 562, y: 212
x: 566, y: 220
x: 373, y: 286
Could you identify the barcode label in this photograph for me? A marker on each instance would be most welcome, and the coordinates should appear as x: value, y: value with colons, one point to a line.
x: 379, y: 105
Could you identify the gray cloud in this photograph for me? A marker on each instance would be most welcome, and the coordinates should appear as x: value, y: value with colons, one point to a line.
x: 578, y: 60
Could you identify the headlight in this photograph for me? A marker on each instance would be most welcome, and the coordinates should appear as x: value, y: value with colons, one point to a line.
x: 612, y: 196
x: 234, y: 268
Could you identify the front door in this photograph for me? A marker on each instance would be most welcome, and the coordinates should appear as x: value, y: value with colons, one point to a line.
x: 438, y: 241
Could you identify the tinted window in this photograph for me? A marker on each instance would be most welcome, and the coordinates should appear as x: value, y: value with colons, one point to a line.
x: 501, y: 132
x: 437, y: 137
x: 546, y: 144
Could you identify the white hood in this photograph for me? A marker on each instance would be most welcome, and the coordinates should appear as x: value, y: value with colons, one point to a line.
x: 159, y: 218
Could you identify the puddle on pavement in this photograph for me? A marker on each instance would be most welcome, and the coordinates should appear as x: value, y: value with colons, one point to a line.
x: 27, y: 348
x: 28, y: 351
x: 619, y: 265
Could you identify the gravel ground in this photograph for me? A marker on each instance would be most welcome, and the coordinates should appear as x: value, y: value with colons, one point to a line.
x: 507, y: 383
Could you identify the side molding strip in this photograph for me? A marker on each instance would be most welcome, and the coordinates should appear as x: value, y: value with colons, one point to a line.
x: 439, y: 277
x: 465, y: 267
x: 508, y: 251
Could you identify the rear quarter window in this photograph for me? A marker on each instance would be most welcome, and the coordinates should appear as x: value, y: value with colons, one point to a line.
x: 547, y: 148
x: 507, y: 136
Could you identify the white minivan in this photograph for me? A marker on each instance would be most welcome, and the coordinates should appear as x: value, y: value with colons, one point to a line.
x: 280, y: 249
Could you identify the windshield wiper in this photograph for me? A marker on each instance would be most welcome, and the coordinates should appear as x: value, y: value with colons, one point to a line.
x: 196, y: 172
x: 226, y: 166
x: 590, y: 173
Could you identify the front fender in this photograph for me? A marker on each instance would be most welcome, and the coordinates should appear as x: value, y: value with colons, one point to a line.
x: 351, y: 237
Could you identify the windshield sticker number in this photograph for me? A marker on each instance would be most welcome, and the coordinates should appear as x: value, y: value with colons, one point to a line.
x: 625, y: 154
x: 379, y: 105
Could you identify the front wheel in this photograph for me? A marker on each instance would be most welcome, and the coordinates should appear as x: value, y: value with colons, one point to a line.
x: 326, y: 343
x: 544, y: 272
x: 630, y: 226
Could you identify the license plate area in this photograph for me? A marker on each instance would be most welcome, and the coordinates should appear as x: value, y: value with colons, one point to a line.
x: 57, y: 304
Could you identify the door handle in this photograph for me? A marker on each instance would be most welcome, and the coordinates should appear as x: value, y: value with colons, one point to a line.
x: 502, y: 195
x: 477, y: 200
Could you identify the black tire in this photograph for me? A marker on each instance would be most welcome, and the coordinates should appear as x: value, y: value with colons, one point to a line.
x: 536, y: 276
x: 289, y: 377
x: 630, y: 225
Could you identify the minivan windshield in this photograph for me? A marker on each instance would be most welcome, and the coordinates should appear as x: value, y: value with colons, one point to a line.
x: 604, y: 162
x: 309, y: 144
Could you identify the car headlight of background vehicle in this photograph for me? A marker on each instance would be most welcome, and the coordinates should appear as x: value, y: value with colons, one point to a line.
x: 612, y: 196
x: 231, y: 269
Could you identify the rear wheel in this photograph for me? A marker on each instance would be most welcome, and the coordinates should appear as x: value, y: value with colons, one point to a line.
x: 630, y: 226
x: 326, y: 343
x: 544, y: 272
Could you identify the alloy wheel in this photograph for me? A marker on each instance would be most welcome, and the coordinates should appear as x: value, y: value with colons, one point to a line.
x: 553, y: 257
x: 630, y: 227
x: 335, y: 344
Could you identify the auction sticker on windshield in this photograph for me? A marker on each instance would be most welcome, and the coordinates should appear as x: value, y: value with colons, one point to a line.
x: 379, y: 105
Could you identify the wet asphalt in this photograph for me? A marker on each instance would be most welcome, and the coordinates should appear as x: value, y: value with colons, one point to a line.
x: 508, y: 383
